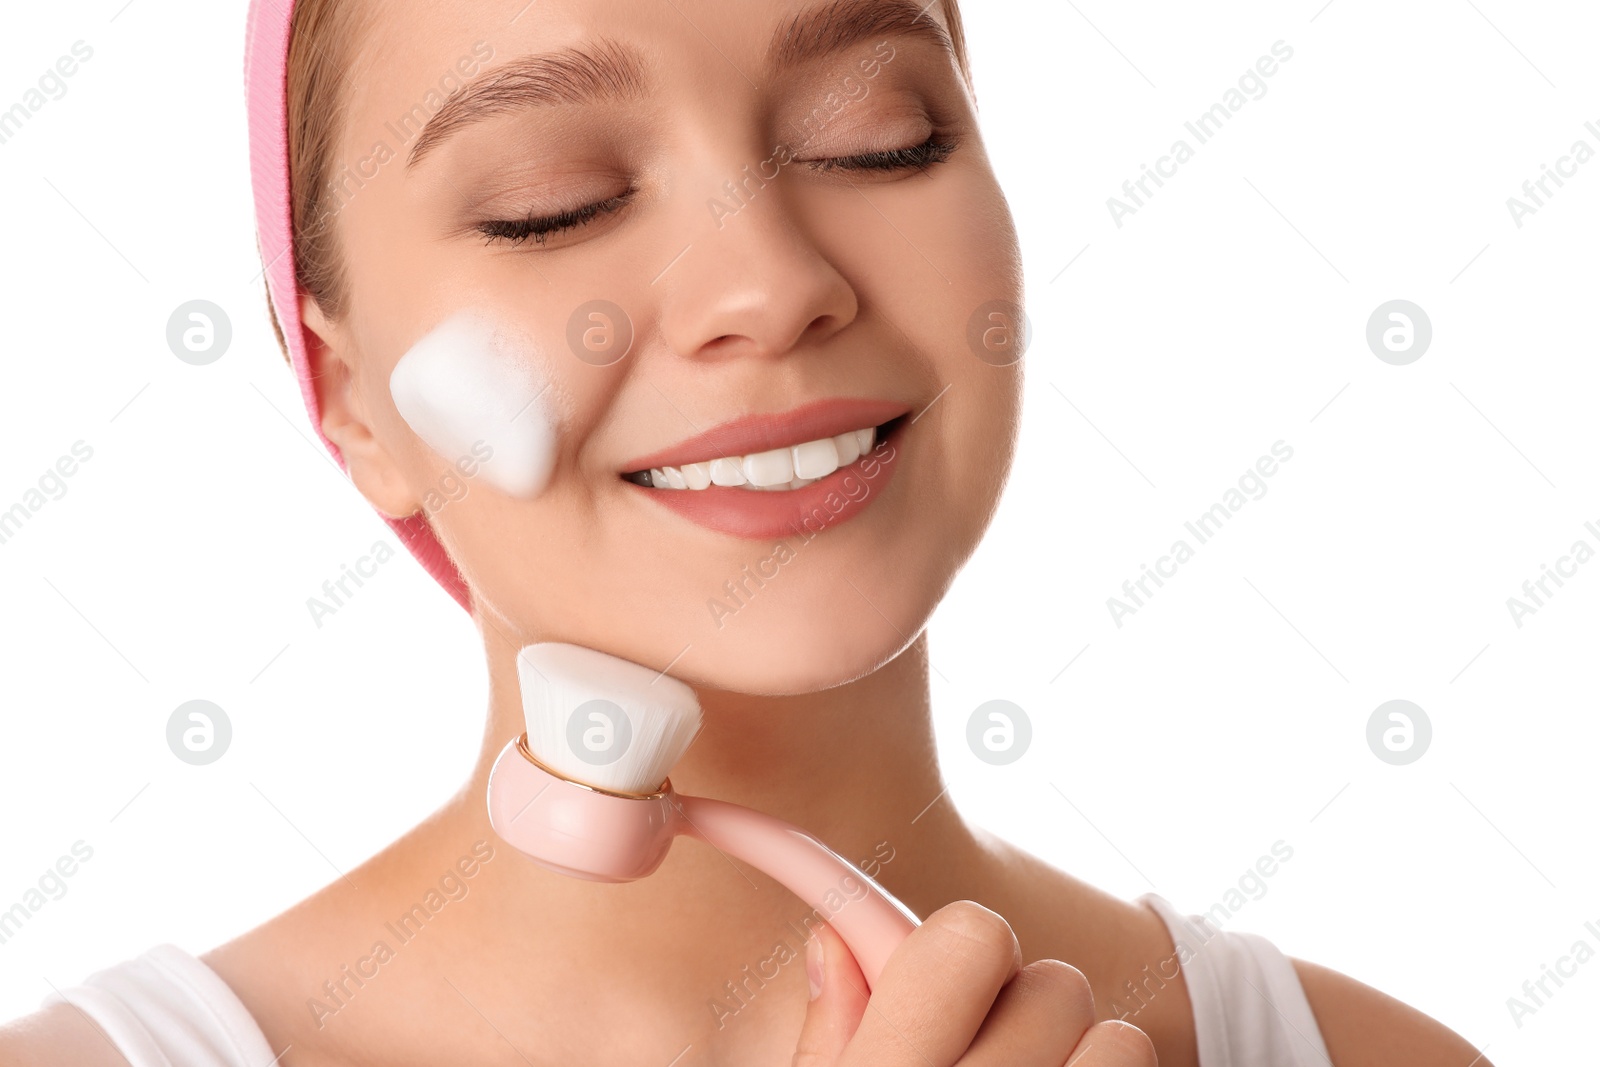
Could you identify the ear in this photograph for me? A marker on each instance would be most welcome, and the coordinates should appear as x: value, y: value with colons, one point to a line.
x: 345, y: 421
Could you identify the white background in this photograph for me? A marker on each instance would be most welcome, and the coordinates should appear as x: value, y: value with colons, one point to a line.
x: 1227, y: 314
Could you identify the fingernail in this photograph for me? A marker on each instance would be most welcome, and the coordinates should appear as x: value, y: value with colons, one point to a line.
x: 814, y: 964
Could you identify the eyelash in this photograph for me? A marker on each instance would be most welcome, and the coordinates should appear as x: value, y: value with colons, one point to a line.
x: 929, y: 153
x: 917, y: 157
x: 515, y: 231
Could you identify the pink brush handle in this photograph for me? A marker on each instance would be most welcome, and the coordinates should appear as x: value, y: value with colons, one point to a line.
x: 871, y: 921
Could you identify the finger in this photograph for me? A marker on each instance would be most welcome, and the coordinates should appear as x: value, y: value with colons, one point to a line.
x: 834, y: 1013
x: 1038, y: 1019
x: 1113, y: 1043
x: 936, y: 989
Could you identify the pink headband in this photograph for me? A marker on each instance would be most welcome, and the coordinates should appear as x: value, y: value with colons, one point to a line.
x: 266, y: 63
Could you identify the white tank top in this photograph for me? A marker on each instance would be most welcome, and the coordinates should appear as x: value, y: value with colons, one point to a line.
x: 166, y: 1008
x: 1249, y: 1007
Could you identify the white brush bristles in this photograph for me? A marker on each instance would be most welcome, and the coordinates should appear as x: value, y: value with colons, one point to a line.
x: 602, y: 720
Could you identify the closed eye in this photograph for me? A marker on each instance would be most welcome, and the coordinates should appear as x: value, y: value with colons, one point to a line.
x: 539, y: 228
x: 917, y: 157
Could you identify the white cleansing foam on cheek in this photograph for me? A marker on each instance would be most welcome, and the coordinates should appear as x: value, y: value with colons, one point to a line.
x: 477, y: 395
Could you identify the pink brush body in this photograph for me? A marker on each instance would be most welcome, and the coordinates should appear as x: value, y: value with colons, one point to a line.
x: 602, y: 836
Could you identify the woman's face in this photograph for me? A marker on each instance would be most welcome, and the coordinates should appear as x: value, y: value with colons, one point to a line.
x: 803, y: 237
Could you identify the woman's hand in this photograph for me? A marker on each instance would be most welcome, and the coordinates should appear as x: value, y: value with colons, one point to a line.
x: 955, y: 992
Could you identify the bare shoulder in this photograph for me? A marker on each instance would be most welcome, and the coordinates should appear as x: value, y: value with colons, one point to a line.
x: 1121, y: 946
x: 271, y: 968
x: 58, y: 1034
x: 1361, y: 1025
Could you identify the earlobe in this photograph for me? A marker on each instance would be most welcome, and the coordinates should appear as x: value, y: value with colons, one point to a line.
x: 345, y: 421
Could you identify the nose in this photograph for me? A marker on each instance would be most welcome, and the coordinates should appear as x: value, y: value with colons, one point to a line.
x: 754, y: 282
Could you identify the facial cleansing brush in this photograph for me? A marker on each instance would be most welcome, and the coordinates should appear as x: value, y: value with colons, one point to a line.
x: 585, y: 792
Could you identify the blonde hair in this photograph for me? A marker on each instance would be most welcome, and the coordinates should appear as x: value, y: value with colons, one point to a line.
x: 322, y: 46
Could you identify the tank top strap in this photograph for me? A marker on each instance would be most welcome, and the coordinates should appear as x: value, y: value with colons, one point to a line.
x: 1249, y: 1007
x: 166, y: 1008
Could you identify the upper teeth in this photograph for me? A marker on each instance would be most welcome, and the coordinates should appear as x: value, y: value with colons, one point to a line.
x: 777, y: 469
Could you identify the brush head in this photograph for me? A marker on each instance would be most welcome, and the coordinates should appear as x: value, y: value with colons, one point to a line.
x: 602, y: 720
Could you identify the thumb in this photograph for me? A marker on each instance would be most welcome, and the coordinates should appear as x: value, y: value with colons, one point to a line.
x: 833, y: 1013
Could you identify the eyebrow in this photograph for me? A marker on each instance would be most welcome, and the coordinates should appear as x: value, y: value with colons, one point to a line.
x: 609, y: 71
x: 825, y: 31
x: 613, y: 71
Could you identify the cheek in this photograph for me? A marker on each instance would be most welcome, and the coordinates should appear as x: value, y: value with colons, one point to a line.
x: 478, y: 397
x: 985, y: 337
x: 524, y: 560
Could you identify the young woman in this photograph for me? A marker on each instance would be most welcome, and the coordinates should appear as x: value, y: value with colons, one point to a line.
x: 780, y: 217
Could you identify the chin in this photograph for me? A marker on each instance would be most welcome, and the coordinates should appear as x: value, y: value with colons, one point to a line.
x: 820, y: 623
x: 804, y: 630
x: 800, y: 653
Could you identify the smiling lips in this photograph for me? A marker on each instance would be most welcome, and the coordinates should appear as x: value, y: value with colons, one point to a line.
x: 778, y: 469
x: 765, y: 476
